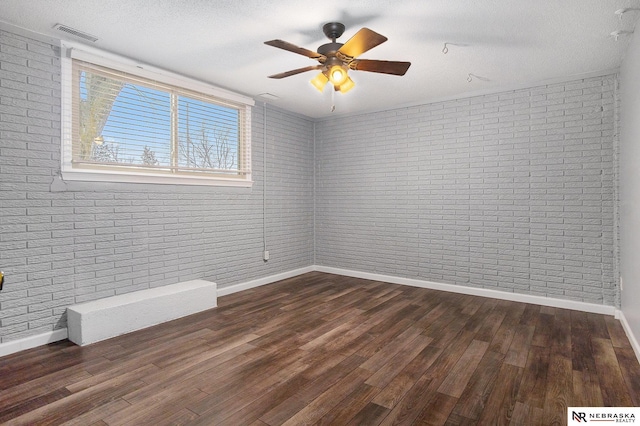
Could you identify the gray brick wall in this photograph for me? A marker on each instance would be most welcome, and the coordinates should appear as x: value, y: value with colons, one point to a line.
x: 97, y: 240
x: 510, y: 191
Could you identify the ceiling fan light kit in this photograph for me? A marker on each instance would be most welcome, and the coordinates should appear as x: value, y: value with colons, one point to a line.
x: 347, y: 85
x: 336, y: 59
x: 319, y: 81
x: 338, y: 75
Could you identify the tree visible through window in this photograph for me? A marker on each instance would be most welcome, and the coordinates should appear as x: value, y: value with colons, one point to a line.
x: 202, y: 143
x: 125, y: 122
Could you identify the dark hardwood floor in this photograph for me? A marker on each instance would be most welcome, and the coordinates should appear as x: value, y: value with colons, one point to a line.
x: 330, y: 350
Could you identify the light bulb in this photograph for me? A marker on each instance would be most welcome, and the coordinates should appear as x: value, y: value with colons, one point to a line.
x: 337, y: 75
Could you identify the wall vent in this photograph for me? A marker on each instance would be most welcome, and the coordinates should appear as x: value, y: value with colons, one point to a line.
x: 76, y: 33
x: 268, y: 96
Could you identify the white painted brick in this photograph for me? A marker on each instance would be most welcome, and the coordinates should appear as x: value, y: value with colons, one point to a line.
x: 500, y: 191
x: 83, y: 234
x: 527, y: 155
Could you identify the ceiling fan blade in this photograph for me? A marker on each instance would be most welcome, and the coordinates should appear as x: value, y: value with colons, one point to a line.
x: 296, y: 71
x: 384, y: 67
x: 281, y: 44
x: 362, y: 41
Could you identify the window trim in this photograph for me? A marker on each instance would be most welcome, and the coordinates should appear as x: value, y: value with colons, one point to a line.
x: 71, y: 51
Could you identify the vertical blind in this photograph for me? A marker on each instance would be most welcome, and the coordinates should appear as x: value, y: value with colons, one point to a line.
x: 126, y: 122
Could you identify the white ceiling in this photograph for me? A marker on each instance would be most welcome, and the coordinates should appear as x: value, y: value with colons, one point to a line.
x: 505, y: 43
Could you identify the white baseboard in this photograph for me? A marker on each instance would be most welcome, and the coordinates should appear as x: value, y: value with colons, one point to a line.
x: 224, y: 291
x: 43, y: 339
x: 627, y: 329
x: 473, y: 291
x: 32, y: 341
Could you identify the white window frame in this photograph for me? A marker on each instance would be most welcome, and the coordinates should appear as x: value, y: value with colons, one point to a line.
x: 71, y: 51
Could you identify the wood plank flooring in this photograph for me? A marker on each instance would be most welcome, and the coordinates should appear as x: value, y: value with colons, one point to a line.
x: 321, y: 349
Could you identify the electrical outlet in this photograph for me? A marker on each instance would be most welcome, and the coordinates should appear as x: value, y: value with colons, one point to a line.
x: 266, y: 255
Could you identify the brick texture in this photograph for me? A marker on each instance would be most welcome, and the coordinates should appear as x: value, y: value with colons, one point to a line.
x: 98, y: 240
x: 511, y: 191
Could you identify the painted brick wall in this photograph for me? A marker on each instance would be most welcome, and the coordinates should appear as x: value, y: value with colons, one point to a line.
x: 96, y: 240
x: 510, y: 191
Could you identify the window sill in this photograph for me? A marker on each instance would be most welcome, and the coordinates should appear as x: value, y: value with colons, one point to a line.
x: 123, y: 177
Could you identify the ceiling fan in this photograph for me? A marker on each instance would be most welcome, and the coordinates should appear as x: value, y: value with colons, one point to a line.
x: 337, y: 58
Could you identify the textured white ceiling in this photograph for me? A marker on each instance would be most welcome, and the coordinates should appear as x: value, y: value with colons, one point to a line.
x: 505, y: 43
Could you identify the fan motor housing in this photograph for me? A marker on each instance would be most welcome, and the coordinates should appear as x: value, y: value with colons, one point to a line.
x: 329, y: 49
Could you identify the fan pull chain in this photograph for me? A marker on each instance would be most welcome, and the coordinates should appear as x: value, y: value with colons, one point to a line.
x: 333, y: 100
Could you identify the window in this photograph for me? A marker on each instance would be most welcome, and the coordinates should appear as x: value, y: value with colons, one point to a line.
x: 126, y: 123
